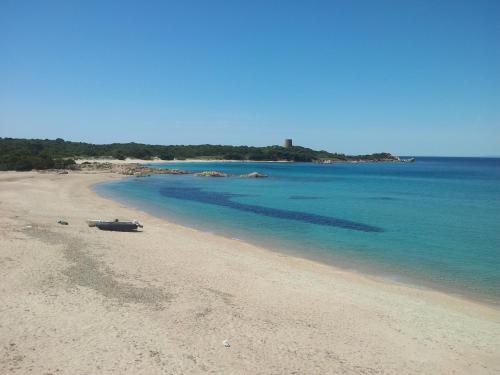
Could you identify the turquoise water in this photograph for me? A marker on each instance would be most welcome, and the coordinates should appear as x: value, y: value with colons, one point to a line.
x: 434, y: 223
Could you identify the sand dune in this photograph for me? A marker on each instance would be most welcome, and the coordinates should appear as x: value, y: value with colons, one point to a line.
x: 76, y: 300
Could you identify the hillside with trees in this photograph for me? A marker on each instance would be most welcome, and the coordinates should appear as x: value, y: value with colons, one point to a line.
x: 27, y: 154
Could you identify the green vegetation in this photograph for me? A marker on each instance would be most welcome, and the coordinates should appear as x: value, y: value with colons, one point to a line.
x: 27, y: 154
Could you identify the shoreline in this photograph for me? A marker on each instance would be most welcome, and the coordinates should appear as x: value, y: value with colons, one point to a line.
x: 175, y: 161
x: 187, y: 161
x: 367, y: 276
x: 357, y: 269
x: 164, y: 299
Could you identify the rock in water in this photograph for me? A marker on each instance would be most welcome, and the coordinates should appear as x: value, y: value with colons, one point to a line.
x: 211, y: 174
x: 254, y: 175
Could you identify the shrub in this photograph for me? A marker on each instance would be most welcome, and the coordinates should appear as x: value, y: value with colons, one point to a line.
x: 118, y: 154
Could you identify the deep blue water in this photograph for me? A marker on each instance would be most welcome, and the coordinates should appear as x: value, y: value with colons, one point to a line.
x: 434, y: 223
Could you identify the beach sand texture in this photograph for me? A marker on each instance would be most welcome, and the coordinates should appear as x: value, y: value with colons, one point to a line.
x: 76, y: 300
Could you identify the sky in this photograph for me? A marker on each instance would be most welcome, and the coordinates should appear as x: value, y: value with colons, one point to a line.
x: 406, y: 77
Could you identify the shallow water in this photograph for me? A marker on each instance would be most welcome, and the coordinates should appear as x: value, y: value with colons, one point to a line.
x: 432, y: 223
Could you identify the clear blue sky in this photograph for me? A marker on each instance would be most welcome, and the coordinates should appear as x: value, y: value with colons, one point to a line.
x: 408, y: 77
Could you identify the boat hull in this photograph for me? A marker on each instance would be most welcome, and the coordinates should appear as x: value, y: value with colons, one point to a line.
x: 117, y: 226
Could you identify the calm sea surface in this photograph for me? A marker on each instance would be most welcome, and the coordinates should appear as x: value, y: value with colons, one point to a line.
x: 434, y: 223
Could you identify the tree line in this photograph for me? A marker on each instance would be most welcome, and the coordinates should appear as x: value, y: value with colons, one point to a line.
x: 27, y: 154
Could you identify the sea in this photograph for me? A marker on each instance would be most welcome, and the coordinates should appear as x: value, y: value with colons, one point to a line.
x: 432, y: 224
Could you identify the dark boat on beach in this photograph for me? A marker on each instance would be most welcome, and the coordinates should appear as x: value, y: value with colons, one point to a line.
x: 119, y: 226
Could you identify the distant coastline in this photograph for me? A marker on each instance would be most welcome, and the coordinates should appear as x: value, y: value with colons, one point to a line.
x: 187, y: 161
x: 39, y: 154
x: 174, y: 161
x: 145, y: 168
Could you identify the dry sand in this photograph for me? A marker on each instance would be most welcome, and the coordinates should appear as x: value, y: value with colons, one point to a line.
x: 76, y: 300
x: 119, y: 161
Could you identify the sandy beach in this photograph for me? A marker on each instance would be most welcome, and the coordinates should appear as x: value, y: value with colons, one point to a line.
x: 174, y: 161
x: 76, y: 300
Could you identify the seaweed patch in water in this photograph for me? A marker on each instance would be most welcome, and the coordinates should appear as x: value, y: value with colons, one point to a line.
x: 224, y: 199
x: 304, y: 197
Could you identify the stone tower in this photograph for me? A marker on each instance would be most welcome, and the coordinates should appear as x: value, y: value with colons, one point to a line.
x: 287, y: 143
